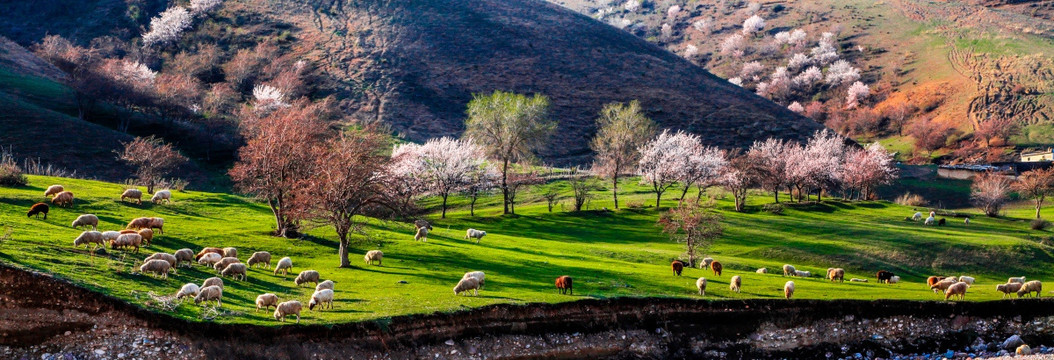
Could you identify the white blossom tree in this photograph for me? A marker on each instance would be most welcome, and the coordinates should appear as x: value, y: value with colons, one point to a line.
x: 660, y: 161
x: 201, y: 7
x: 702, y: 167
x: 808, y: 78
x: 798, y: 61
x: 632, y: 5
x: 267, y: 98
x: 168, y: 26
x: 841, y: 72
x: 673, y: 11
x: 753, y: 25
x: 736, y: 81
x: 734, y: 45
x: 702, y: 25
x: 827, y: 149
x: 752, y: 70
x: 865, y: 169
x: 796, y: 107
x: 690, y: 51
x: 408, y: 174
x: 447, y: 165
x: 857, y: 92
x: 769, y: 160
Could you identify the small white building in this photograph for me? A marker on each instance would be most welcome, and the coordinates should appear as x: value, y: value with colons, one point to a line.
x: 1036, y: 156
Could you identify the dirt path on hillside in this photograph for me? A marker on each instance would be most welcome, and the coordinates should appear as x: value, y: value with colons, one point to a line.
x: 46, y: 318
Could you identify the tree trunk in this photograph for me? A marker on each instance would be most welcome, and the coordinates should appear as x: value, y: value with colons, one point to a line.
x: 505, y: 185
x: 684, y: 192
x: 472, y: 205
x: 776, y: 194
x: 1039, y: 205
x: 279, y: 222
x: 658, y: 198
x: 444, y: 206
x: 343, y: 251
x: 614, y: 189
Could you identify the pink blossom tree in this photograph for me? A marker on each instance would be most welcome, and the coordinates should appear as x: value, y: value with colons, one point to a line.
x: 447, y: 165
x: 660, y: 160
x: 770, y: 163
x: 481, y: 180
x: 827, y: 149
x: 857, y: 92
x: 865, y: 169
x: 701, y: 167
x: 408, y: 174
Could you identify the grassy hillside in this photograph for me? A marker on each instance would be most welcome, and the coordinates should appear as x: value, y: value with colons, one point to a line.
x: 609, y: 254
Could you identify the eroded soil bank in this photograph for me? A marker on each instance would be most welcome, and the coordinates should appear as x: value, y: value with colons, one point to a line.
x: 42, y: 318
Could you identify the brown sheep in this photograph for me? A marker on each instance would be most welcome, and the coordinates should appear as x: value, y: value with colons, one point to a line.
x: 716, y: 266
x: 959, y: 289
x: 134, y: 194
x: 207, y: 250
x: 184, y: 256
x: 209, y: 293
x: 836, y: 274
x: 884, y: 276
x: 128, y: 231
x: 677, y: 266
x: 260, y: 257
x: 235, y: 271
x: 1006, y: 289
x: 53, y: 190
x: 147, y: 235
x: 1030, y: 287
x: 139, y: 223
x: 565, y: 285
x: 943, y: 285
x: 37, y: 209
x: 63, y: 199
x: 933, y: 280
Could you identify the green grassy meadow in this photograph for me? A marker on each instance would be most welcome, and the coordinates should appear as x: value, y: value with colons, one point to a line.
x: 608, y: 253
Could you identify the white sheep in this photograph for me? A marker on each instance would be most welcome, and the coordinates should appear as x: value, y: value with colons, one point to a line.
x: 328, y: 284
x: 291, y: 307
x: 1007, y: 289
x: 184, y: 256
x: 188, y: 290
x: 735, y: 283
x: 230, y: 252
x: 260, y: 257
x: 266, y: 301
x: 800, y: 273
x: 943, y: 285
x: 475, y: 234
x: 134, y: 194
x: 422, y: 234
x: 374, y: 255
x: 63, y: 198
x: 788, y: 289
x: 959, y: 289
x: 966, y: 221
x: 1019, y: 280
x: 209, y: 293
x: 213, y: 281
x: 86, y: 220
x: 321, y: 298
x: 235, y: 271
x: 1030, y: 287
x: 210, y: 259
x: 467, y: 284
x: 478, y: 275
x: 162, y: 196
x: 307, y: 276
x: 284, y: 266
x: 88, y: 237
x: 701, y: 285
x: 705, y: 264
x: 762, y: 271
x: 967, y: 279
x: 110, y: 235
x: 895, y: 279
x: 857, y: 280
x: 156, y: 267
x: 53, y: 190
x: 788, y: 270
x: 224, y: 262
x: 163, y: 256
x: 930, y: 221
x: 917, y: 216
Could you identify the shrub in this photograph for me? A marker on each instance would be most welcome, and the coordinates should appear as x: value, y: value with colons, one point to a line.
x: 634, y: 204
x: 1039, y: 224
x: 10, y: 173
x: 909, y: 199
x: 773, y: 208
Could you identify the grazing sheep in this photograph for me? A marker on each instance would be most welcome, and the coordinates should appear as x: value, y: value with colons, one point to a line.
x: 212, y: 281
x: 421, y: 235
x: 959, y: 289
x: 156, y: 267
x: 139, y: 223
x: 967, y: 279
x: 208, y: 250
x: 1023, y: 350
x: 565, y: 285
x: 701, y: 285
x: 801, y: 273
x: 88, y: 237
x: 86, y: 220
x: 162, y: 196
x: 943, y: 285
x: 705, y: 264
x: 467, y: 284
x: 716, y: 267
x: 224, y: 262
x: 836, y: 274
x: 184, y: 256
x: 1019, y: 280
x: 284, y: 266
x: 126, y: 240
x: 147, y: 234
x: 63, y: 199
x: 895, y: 279
x: 134, y: 194
x: 884, y: 276
x: 374, y: 255
x: 762, y: 271
x: 230, y: 252
x: 37, y: 209
x: 110, y: 235
x: 788, y: 270
x: 1006, y: 289
x: 235, y: 271
x: 857, y: 280
x: 475, y: 234
x: 735, y: 283
x: 930, y: 221
x: 210, y: 259
x: 163, y: 256
x: 422, y: 224
x: 328, y: 284
x: 933, y: 213
x: 157, y: 223
x: 306, y: 276
x: 321, y: 298
x: 933, y: 280
x: 126, y: 231
x: 677, y: 266
x: 291, y: 307
x: 209, y: 293
x: 478, y: 275
x: 53, y: 190
x: 188, y: 290
x: 966, y: 221
x: 1030, y: 287
x: 788, y: 290
x: 917, y: 216
x: 266, y: 301
x: 942, y: 222
x: 260, y: 257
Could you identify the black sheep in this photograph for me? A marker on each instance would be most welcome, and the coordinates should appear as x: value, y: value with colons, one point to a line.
x: 37, y: 209
x: 884, y: 276
x: 941, y: 222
